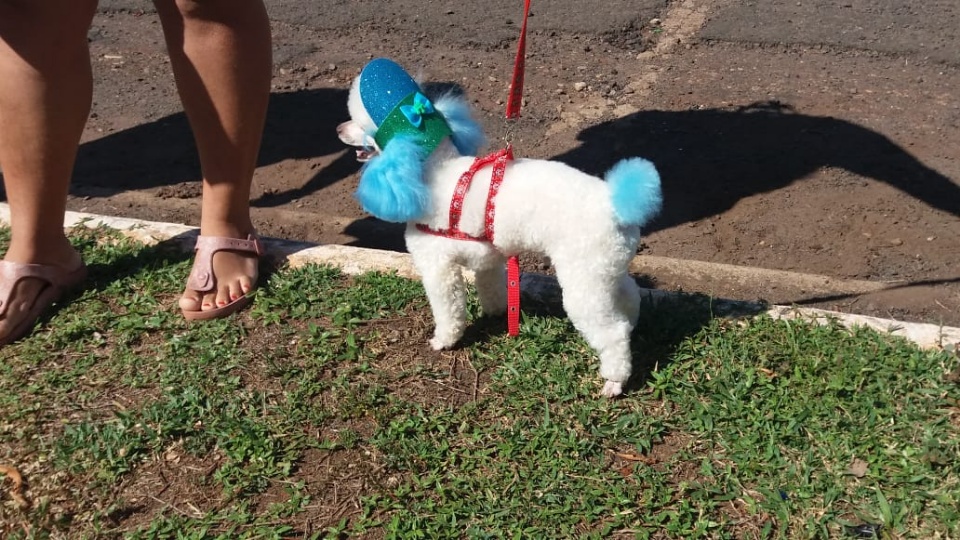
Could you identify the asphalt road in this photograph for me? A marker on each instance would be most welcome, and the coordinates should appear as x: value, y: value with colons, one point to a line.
x: 927, y: 29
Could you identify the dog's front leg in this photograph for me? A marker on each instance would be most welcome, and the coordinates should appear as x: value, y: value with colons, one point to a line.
x: 446, y: 291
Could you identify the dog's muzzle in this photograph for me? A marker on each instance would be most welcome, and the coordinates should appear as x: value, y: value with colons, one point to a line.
x: 369, y: 150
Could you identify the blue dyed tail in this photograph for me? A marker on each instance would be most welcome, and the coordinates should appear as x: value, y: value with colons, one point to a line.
x: 635, y: 191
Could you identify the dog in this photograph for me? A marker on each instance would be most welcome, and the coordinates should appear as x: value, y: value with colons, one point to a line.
x: 417, y: 150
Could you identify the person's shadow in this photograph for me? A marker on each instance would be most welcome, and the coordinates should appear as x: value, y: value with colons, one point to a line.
x: 299, y: 125
x: 709, y: 159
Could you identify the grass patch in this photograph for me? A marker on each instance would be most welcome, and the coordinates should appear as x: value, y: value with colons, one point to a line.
x: 321, y: 412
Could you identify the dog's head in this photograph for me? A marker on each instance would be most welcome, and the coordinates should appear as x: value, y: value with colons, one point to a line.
x: 395, y: 128
x: 360, y: 129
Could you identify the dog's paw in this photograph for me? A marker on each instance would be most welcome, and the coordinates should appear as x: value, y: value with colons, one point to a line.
x: 612, y: 389
x: 438, y: 344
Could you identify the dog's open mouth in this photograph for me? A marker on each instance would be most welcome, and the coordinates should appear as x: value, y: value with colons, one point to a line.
x: 366, y: 154
x: 369, y: 150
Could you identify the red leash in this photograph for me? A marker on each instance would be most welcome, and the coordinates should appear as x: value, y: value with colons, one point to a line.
x: 515, y: 98
x: 514, y: 101
x: 499, y: 161
x: 513, y: 296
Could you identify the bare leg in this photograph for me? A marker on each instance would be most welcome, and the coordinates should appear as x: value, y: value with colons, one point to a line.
x: 220, y: 51
x: 45, y: 96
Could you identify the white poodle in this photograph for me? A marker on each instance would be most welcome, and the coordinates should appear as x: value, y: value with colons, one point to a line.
x: 418, y: 151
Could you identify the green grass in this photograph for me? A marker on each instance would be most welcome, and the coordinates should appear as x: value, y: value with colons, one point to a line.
x: 321, y: 412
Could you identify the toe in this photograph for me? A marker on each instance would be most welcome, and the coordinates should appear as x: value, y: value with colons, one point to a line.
x: 237, y: 290
x: 22, y: 298
x: 190, y: 301
x: 244, y: 285
x: 209, y: 301
x: 223, y: 295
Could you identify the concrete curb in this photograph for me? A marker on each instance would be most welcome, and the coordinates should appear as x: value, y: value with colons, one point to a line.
x: 810, y: 284
x: 354, y: 260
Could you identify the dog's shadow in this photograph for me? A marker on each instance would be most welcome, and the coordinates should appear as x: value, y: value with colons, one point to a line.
x: 667, y: 320
x: 709, y: 159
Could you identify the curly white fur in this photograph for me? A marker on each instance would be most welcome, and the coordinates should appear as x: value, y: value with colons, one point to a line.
x: 544, y: 207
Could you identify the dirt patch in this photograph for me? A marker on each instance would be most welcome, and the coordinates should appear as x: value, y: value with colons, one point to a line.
x: 183, y: 190
x: 334, y: 480
x: 172, y: 482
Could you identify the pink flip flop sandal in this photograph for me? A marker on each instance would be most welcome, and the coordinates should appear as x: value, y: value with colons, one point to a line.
x: 57, y: 282
x: 202, y: 279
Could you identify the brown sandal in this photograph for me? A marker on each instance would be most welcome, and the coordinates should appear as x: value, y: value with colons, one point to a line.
x: 57, y: 282
x: 202, y: 279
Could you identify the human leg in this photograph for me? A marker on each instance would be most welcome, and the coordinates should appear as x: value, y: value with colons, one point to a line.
x: 220, y: 52
x: 45, y: 96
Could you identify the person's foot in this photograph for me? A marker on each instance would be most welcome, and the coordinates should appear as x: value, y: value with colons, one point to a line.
x: 30, y: 282
x: 225, y: 270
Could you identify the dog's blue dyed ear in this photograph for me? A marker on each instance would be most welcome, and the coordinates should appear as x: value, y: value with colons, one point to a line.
x: 391, y: 184
x: 467, y: 135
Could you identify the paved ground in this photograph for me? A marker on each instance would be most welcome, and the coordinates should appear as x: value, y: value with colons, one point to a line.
x: 805, y: 136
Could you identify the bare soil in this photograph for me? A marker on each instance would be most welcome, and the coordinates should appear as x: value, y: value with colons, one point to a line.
x: 814, y: 158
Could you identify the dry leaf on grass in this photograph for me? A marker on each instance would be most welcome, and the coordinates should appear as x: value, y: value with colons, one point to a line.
x: 634, y: 457
x: 16, y: 492
x: 858, y: 468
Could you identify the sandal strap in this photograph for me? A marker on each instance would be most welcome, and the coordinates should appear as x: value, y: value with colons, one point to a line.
x: 12, y: 273
x: 201, y: 276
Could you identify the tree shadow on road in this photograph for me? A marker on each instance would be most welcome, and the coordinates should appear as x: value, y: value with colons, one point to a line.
x: 710, y: 159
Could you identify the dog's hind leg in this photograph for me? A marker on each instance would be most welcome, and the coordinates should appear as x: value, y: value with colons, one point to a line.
x: 491, y: 285
x: 592, y: 304
x: 446, y: 291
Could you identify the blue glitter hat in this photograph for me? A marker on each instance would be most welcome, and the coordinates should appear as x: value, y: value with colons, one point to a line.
x: 397, y: 105
x: 383, y: 84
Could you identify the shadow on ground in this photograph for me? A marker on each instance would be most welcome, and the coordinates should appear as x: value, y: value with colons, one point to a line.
x: 710, y: 159
x: 725, y: 155
x: 299, y: 125
x: 667, y: 319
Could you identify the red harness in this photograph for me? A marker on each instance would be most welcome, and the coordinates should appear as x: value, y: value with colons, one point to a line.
x: 499, y: 161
